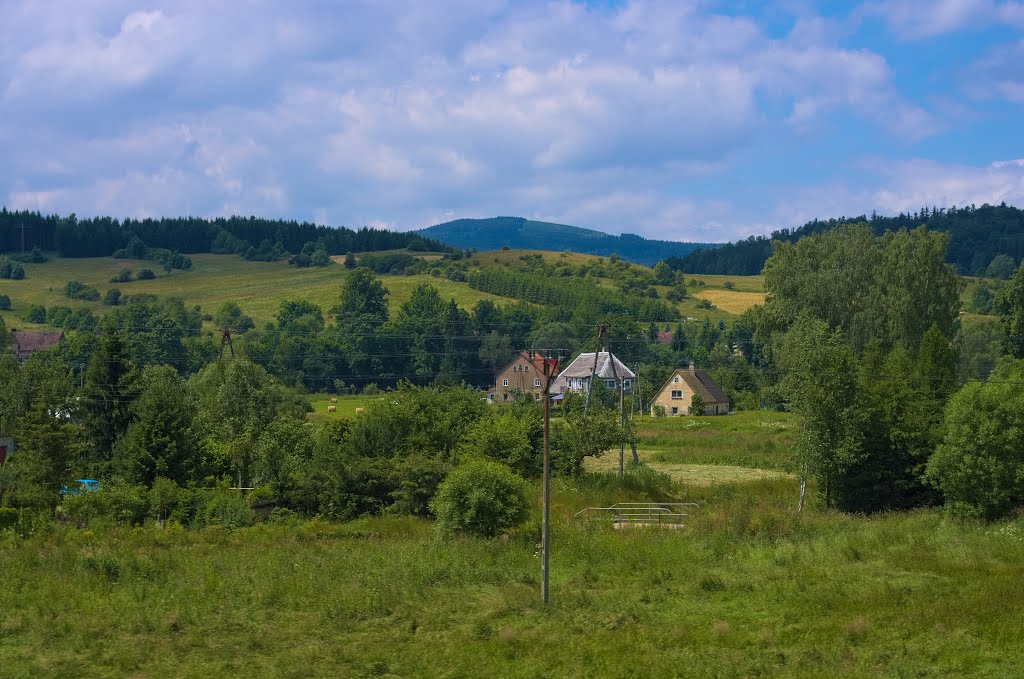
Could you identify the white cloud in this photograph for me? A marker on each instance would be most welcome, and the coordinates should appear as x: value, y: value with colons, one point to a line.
x: 403, y: 114
x: 1000, y: 73
x: 913, y: 19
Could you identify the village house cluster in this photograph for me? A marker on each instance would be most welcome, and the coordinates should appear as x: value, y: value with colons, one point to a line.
x: 524, y: 376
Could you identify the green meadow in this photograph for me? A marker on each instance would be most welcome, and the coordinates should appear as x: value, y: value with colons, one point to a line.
x: 747, y: 588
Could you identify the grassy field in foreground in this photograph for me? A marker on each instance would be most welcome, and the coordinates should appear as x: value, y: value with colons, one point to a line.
x: 747, y: 589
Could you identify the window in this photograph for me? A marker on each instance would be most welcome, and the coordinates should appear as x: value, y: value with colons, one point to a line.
x: 677, y: 393
x: 610, y: 384
x: 504, y: 397
x: 536, y: 381
x: 504, y: 383
x: 676, y: 379
x: 675, y: 411
x: 526, y: 368
x: 626, y: 383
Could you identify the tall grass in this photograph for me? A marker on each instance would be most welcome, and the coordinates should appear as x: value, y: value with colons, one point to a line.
x: 746, y: 588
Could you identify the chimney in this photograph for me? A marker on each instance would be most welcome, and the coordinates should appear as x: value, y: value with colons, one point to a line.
x: 693, y: 367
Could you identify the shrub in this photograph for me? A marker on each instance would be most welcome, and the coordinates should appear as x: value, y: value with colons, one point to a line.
x: 697, y: 405
x: 113, y: 297
x: 5, y: 303
x: 11, y: 269
x: 84, y: 508
x: 58, y: 315
x: 123, y: 276
x: 8, y: 518
x: 164, y: 498
x: 79, y: 290
x: 36, y: 314
x: 226, y: 508
x: 480, y: 498
x: 980, y: 465
x: 419, y: 477
x: 145, y: 275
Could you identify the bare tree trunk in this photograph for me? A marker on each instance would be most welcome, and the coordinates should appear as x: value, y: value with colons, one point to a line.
x: 803, y: 491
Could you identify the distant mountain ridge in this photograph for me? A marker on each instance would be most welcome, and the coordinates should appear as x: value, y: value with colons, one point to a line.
x: 524, y: 234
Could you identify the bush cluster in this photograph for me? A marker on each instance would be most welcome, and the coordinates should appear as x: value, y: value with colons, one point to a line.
x: 10, y: 269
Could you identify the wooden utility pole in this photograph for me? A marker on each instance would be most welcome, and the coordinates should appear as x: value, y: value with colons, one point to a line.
x: 550, y: 365
x: 593, y: 371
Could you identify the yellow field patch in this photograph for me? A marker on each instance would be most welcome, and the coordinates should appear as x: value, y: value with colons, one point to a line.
x: 731, y: 301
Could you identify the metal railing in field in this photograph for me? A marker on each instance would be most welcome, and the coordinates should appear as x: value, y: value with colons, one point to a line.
x: 639, y: 513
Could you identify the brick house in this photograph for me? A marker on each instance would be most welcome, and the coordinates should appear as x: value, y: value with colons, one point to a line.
x: 523, y: 375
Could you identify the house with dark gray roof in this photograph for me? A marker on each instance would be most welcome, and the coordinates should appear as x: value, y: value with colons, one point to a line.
x: 676, y: 396
x: 24, y: 343
x: 577, y: 375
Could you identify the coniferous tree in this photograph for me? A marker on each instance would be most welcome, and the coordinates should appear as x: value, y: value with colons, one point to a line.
x: 107, y: 396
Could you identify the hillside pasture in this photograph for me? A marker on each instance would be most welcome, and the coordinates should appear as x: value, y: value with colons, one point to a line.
x: 739, y: 283
x: 257, y: 287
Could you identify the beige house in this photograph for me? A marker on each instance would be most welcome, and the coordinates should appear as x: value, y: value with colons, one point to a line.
x: 524, y: 375
x: 676, y: 397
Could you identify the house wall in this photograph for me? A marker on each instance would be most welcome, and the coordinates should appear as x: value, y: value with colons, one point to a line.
x: 665, y: 400
x: 683, y: 403
x: 519, y: 377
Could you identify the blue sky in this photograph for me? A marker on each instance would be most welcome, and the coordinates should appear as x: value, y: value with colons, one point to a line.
x: 681, y: 120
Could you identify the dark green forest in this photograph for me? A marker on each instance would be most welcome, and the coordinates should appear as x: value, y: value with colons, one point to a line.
x: 253, y: 237
x: 976, y: 237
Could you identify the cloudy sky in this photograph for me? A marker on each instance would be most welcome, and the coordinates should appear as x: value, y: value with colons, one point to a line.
x: 683, y: 120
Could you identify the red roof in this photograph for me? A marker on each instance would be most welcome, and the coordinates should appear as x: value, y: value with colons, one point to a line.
x: 665, y: 337
x: 538, y: 361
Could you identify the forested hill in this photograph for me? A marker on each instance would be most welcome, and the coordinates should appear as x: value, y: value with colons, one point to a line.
x: 102, y: 236
x: 524, y: 234
x: 977, y: 235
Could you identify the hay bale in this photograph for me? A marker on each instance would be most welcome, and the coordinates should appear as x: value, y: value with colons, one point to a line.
x: 334, y: 399
x: 332, y: 409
